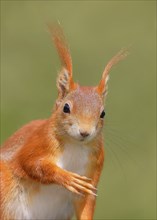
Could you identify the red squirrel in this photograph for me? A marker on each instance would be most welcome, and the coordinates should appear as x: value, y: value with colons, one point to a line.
x: 50, y: 168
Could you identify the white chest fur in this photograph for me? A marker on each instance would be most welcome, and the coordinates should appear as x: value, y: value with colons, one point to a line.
x: 54, y: 201
x: 74, y: 158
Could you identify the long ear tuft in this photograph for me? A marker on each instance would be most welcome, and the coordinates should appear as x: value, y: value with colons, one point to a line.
x: 61, y: 46
x: 122, y: 54
x: 65, y: 81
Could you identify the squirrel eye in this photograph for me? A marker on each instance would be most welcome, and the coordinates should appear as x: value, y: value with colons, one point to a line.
x: 66, y: 108
x: 102, y: 114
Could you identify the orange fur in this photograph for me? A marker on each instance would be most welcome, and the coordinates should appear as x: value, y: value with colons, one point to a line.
x: 32, y: 157
x: 62, y: 49
x: 122, y: 54
x: 61, y: 46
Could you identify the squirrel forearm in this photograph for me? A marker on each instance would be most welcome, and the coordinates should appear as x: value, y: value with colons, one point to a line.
x: 44, y: 171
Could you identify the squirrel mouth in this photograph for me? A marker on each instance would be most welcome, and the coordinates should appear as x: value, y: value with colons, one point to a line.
x: 82, y: 139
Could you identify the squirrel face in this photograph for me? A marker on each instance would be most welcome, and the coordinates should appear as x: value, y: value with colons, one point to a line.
x: 81, y: 114
x: 79, y: 110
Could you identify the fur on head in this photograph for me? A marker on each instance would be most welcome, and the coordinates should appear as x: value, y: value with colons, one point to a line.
x: 80, y: 109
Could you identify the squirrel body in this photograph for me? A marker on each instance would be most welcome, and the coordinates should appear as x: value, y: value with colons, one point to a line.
x: 41, y: 201
x: 50, y: 168
x: 27, y: 199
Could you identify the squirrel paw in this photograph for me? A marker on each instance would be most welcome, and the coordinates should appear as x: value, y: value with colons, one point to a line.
x: 80, y: 185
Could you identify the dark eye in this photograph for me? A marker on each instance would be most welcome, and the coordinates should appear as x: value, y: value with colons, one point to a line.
x: 102, y: 114
x: 66, y: 108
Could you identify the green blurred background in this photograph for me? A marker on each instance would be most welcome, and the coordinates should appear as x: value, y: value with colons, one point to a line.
x: 95, y: 30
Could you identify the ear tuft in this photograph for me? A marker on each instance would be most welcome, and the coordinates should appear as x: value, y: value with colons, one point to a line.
x: 61, y: 45
x: 64, y: 81
x: 102, y: 87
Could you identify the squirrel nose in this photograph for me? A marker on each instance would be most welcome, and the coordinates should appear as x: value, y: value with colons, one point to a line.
x: 84, y: 133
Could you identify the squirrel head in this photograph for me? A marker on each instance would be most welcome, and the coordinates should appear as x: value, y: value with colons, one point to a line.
x: 79, y: 110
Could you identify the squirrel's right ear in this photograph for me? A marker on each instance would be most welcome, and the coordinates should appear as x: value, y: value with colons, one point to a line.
x: 64, y: 82
x: 102, y: 87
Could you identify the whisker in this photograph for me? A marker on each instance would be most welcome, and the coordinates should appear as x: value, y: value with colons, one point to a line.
x: 118, y: 162
x: 121, y: 147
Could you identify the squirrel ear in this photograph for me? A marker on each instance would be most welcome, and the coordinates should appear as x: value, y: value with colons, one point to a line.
x: 65, y: 84
x: 102, y: 87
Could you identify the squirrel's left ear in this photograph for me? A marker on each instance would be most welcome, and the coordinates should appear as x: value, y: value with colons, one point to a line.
x: 102, y: 87
x: 65, y: 81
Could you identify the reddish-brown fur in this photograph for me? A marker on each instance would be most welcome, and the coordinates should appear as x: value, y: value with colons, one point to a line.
x: 30, y: 154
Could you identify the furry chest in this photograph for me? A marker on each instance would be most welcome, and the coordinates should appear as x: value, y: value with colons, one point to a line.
x: 52, y: 202
x: 44, y: 203
x: 74, y: 158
